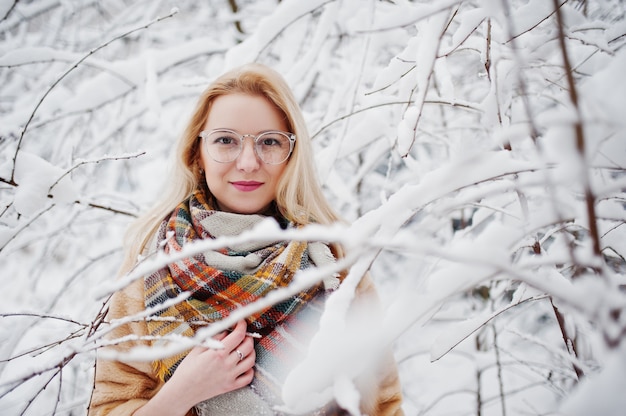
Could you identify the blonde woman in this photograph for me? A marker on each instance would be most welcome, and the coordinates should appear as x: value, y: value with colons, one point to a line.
x: 245, y: 156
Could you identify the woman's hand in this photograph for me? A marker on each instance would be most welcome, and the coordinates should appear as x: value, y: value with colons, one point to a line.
x: 206, y: 373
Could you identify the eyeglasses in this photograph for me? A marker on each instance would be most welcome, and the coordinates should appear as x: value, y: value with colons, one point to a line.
x: 272, y: 147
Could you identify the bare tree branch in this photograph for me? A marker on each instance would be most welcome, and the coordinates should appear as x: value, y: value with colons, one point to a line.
x: 22, y: 227
x: 235, y: 9
x: 557, y: 6
x: 457, y: 104
x: 72, y: 68
x: 569, y: 343
x: 10, y: 10
x: 580, y: 138
x: 98, y: 160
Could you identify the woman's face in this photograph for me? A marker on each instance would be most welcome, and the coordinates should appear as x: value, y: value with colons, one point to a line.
x: 246, y: 185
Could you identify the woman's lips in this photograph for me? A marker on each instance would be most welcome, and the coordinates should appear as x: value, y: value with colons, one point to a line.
x: 247, y: 186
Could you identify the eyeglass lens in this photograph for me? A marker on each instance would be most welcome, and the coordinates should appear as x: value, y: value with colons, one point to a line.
x: 225, y: 146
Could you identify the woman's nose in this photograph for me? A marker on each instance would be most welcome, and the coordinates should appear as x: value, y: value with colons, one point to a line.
x: 247, y: 160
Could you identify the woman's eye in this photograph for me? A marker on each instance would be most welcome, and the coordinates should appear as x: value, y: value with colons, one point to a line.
x: 274, y: 140
x: 224, y: 140
x: 270, y: 142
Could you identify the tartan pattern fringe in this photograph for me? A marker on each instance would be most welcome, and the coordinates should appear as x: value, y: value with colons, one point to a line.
x: 224, y: 280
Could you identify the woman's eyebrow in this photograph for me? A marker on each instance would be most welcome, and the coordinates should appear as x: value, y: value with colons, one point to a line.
x: 239, y: 131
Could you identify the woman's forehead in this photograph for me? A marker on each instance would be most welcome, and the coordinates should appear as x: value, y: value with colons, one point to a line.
x: 244, y: 113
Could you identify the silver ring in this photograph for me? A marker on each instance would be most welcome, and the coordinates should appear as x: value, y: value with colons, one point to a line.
x: 240, y: 354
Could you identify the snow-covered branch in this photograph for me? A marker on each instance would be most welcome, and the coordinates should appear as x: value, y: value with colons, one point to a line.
x: 476, y: 148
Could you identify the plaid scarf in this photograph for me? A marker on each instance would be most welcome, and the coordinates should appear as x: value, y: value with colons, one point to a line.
x: 223, y: 280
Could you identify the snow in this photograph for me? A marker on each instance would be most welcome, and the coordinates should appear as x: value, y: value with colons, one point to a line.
x: 286, y: 13
x: 407, y: 129
x: 458, y: 332
x: 595, y: 396
x: 529, y: 15
x: 5, y: 6
x: 606, y: 91
x: 429, y: 39
x: 406, y: 14
x: 472, y: 19
x: 28, y: 55
x: 36, y: 178
x: 465, y: 193
x: 347, y: 394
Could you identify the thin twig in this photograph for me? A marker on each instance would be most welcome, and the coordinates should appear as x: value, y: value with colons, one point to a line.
x: 31, y: 11
x: 390, y: 84
x: 462, y: 41
x: 421, y: 17
x: 534, y: 132
x: 10, y: 10
x: 58, y: 400
x: 71, y: 69
x: 63, y: 362
x: 100, y: 67
x: 287, y: 25
x: 466, y: 106
x: 41, y: 389
x: 78, y: 201
x: 8, y: 181
x: 479, y: 394
x: 570, y: 345
x: 423, y: 89
x: 84, y: 162
x: 37, y: 315
x: 513, y: 37
x: 46, y: 347
x: 498, y: 363
x: 106, y: 208
x: 494, y: 316
x: 24, y: 226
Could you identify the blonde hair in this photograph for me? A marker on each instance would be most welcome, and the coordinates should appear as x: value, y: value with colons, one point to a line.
x: 299, y: 197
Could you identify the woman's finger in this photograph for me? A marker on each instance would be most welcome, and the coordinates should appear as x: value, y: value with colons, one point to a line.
x: 234, y: 338
x: 196, y: 351
x: 220, y: 336
x: 245, y: 366
x: 246, y: 346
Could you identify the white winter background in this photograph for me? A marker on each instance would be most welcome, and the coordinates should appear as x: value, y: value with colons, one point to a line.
x: 476, y: 149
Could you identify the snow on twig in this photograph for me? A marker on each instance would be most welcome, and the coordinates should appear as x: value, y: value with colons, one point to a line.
x: 80, y: 162
x: 68, y: 71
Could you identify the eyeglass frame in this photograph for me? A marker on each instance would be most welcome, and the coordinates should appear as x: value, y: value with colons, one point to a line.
x: 290, y: 136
